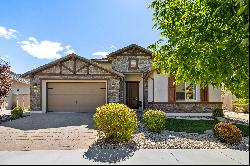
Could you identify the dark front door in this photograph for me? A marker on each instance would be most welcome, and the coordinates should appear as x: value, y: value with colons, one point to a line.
x: 132, y: 94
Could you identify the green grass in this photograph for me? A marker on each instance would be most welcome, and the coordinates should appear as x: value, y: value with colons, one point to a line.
x: 197, y: 126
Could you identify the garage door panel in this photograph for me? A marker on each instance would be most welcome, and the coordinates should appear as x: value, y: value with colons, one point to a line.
x: 86, y: 103
x: 61, y: 102
x: 76, y: 97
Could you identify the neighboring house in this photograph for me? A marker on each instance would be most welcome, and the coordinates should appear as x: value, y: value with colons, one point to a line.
x: 75, y: 84
x: 19, y: 95
x: 227, y: 99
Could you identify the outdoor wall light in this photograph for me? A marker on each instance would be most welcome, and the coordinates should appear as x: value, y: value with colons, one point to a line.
x: 35, y: 87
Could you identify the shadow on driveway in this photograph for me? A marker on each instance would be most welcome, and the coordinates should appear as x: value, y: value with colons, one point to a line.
x: 51, y: 120
x: 113, y: 154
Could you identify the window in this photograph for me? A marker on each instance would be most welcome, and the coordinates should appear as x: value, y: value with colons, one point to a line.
x: 133, y: 63
x: 185, y: 92
x: 180, y: 92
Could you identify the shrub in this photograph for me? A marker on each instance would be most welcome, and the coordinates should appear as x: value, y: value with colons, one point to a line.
x: 27, y: 108
x: 116, y: 121
x: 155, y: 120
x: 241, y: 108
x: 13, y: 106
x: 241, y: 101
x: 227, y: 132
x: 218, y: 112
x: 241, y: 105
x: 17, y: 112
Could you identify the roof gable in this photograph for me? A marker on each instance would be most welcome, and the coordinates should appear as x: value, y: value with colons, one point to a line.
x: 133, y: 48
x: 64, y: 66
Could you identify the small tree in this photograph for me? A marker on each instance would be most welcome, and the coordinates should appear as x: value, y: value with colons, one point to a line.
x: 5, y: 79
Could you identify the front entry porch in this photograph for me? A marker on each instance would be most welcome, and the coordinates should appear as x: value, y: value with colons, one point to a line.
x: 133, y: 90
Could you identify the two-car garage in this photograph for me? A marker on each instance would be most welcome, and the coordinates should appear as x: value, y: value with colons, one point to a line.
x: 73, y: 84
x: 75, y: 96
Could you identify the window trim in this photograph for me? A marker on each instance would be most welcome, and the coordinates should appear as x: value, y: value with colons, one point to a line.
x: 189, y: 100
x: 129, y: 64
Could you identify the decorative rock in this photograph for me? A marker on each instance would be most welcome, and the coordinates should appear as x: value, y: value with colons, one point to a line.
x: 208, y: 132
x: 171, y: 137
x: 221, y: 119
x: 6, y: 118
x: 177, y: 140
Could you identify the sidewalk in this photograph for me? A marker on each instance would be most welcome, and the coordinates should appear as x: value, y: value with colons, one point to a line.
x: 127, y: 156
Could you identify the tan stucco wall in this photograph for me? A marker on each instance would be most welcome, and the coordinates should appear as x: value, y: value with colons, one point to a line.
x: 161, y: 90
x: 23, y: 88
x: 135, y: 77
x: 150, y: 90
x: 23, y: 94
x: 227, y: 99
x: 214, y: 94
x: 160, y: 87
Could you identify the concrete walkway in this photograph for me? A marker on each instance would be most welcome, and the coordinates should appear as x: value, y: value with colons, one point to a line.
x: 125, y: 156
x: 237, y: 116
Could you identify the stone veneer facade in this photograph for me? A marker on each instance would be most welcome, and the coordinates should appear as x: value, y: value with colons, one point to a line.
x: 114, y: 82
x: 198, y: 107
x: 121, y: 64
x: 74, y: 70
x: 120, y: 61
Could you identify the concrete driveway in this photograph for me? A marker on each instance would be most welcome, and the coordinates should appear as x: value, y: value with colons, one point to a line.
x: 57, y: 131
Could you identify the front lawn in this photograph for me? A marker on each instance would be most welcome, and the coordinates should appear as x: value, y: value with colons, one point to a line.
x: 197, y: 126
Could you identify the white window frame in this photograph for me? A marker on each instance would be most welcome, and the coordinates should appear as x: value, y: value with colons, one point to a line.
x: 187, y: 100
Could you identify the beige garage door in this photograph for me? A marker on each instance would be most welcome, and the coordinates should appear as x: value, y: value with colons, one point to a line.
x: 76, y: 97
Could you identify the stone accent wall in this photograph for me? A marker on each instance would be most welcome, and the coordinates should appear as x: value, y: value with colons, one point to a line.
x: 53, y: 69
x: 74, y: 70
x: 35, y: 94
x: 145, y: 92
x: 113, y: 91
x: 121, y: 63
x: 184, y: 107
x: 122, y: 91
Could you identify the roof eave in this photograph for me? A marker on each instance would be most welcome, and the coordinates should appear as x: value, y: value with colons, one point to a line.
x: 34, y: 71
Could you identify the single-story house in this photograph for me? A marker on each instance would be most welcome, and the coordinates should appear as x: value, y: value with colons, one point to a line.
x: 19, y: 95
x: 76, y: 84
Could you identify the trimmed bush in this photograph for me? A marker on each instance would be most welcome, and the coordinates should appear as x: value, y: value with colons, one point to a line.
x: 17, y: 112
x: 27, y: 108
x: 13, y: 106
x: 241, y: 108
x: 241, y: 105
x: 218, y: 112
x: 228, y: 132
x: 241, y: 101
x: 155, y: 120
x: 116, y: 121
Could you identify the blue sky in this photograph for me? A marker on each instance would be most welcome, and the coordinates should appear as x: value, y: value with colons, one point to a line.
x: 35, y: 32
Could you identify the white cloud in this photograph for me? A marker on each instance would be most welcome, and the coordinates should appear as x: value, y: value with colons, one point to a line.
x: 7, y: 33
x: 101, y: 54
x: 44, y: 49
x: 69, y: 49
